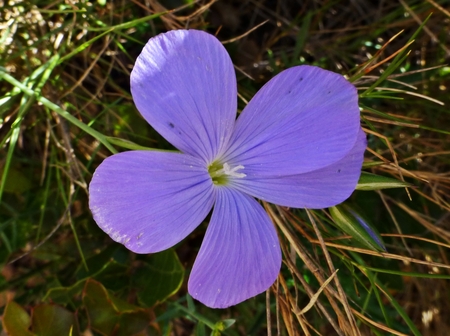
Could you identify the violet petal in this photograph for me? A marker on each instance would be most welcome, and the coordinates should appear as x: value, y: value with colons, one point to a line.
x: 149, y: 201
x: 303, y: 119
x: 318, y: 189
x: 184, y: 85
x: 240, y: 255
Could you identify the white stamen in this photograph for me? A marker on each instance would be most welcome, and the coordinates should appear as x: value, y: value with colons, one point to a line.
x: 232, y: 172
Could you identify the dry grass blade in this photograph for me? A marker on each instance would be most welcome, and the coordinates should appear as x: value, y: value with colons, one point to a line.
x: 436, y: 101
x: 89, y: 69
x: 394, y: 156
x: 390, y: 56
x: 316, y: 296
x: 431, y: 241
x: 385, y: 255
x: 309, y: 291
x: 199, y: 11
x: 425, y: 28
x: 234, y: 39
x: 397, y: 226
x: 442, y: 9
x: 378, y: 325
x: 329, y: 292
x: 366, y: 68
x: 343, y: 298
x: 440, y: 232
x: 268, y: 315
x: 391, y: 122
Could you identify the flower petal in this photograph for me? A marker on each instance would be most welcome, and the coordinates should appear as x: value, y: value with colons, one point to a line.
x: 240, y: 256
x: 149, y: 201
x: 318, y: 189
x: 184, y: 85
x: 304, y: 119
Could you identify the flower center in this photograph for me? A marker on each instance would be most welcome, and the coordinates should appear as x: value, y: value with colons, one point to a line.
x: 220, y: 175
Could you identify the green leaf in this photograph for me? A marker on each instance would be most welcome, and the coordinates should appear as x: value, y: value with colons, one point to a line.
x: 369, y: 181
x: 16, y: 320
x: 109, y: 315
x: 64, y: 295
x: 190, y: 303
x: 53, y: 320
x: 224, y: 324
x: 159, y: 278
x: 353, y: 224
x: 200, y: 329
x: 102, y: 267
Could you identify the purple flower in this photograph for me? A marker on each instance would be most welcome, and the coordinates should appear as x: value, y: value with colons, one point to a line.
x: 298, y: 143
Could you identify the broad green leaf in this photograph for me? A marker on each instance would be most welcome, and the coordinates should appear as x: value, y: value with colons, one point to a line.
x: 134, y: 323
x: 159, y: 278
x: 101, y: 313
x: 53, y: 320
x: 16, y: 320
x: 353, y: 224
x: 369, y: 181
x: 102, y: 267
x: 109, y: 315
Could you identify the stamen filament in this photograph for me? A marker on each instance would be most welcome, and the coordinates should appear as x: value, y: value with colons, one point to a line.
x: 232, y: 172
x: 227, y: 170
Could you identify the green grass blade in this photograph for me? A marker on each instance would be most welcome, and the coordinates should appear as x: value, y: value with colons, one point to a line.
x: 399, y: 59
x: 63, y: 113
